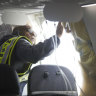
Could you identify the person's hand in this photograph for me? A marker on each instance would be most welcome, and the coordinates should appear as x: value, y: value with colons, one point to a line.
x: 59, y: 30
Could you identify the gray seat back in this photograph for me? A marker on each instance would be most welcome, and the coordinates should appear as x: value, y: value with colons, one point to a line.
x: 51, y: 80
x: 9, y: 84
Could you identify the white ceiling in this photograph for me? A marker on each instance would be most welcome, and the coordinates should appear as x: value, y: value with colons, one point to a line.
x: 33, y: 5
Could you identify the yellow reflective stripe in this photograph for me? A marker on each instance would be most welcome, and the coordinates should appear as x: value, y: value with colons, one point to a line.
x: 23, y: 78
x: 1, y: 54
x: 9, y: 61
x: 8, y: 53
x: 5, y: 49
x: 26, y: 71
x: 1, y: 47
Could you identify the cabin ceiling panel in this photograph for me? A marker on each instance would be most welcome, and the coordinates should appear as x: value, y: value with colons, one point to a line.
x: 34, y: 3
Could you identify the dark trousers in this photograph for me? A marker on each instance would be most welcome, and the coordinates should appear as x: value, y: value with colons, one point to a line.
x: 22, y: 85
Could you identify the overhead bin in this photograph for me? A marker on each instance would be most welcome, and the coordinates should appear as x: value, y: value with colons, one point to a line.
x: 63, y: 11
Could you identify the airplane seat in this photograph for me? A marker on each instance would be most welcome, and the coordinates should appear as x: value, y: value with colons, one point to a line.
x: 9, y: 83
x: 51, y: 80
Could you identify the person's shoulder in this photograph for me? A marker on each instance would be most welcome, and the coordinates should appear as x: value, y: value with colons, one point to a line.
x: 23, y: 41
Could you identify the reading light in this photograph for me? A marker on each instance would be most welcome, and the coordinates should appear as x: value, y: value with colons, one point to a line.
x: 89, y: 5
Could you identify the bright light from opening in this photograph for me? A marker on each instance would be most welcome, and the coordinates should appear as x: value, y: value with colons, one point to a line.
x: 65, y: 55
x: 89, y: 5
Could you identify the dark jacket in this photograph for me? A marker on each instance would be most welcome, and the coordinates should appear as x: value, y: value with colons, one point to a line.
x: 25, y: 53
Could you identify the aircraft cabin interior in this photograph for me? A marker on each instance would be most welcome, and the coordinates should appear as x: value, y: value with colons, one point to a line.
x: 71, y: 68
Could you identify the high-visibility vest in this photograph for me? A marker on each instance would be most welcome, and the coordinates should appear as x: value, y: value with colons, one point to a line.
x: 6, y: 50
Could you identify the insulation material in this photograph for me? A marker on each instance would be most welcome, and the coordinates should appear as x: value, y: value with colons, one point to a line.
x: 84, y: 46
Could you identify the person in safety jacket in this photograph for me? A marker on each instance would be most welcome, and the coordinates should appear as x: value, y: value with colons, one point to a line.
x: 20, y: 52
